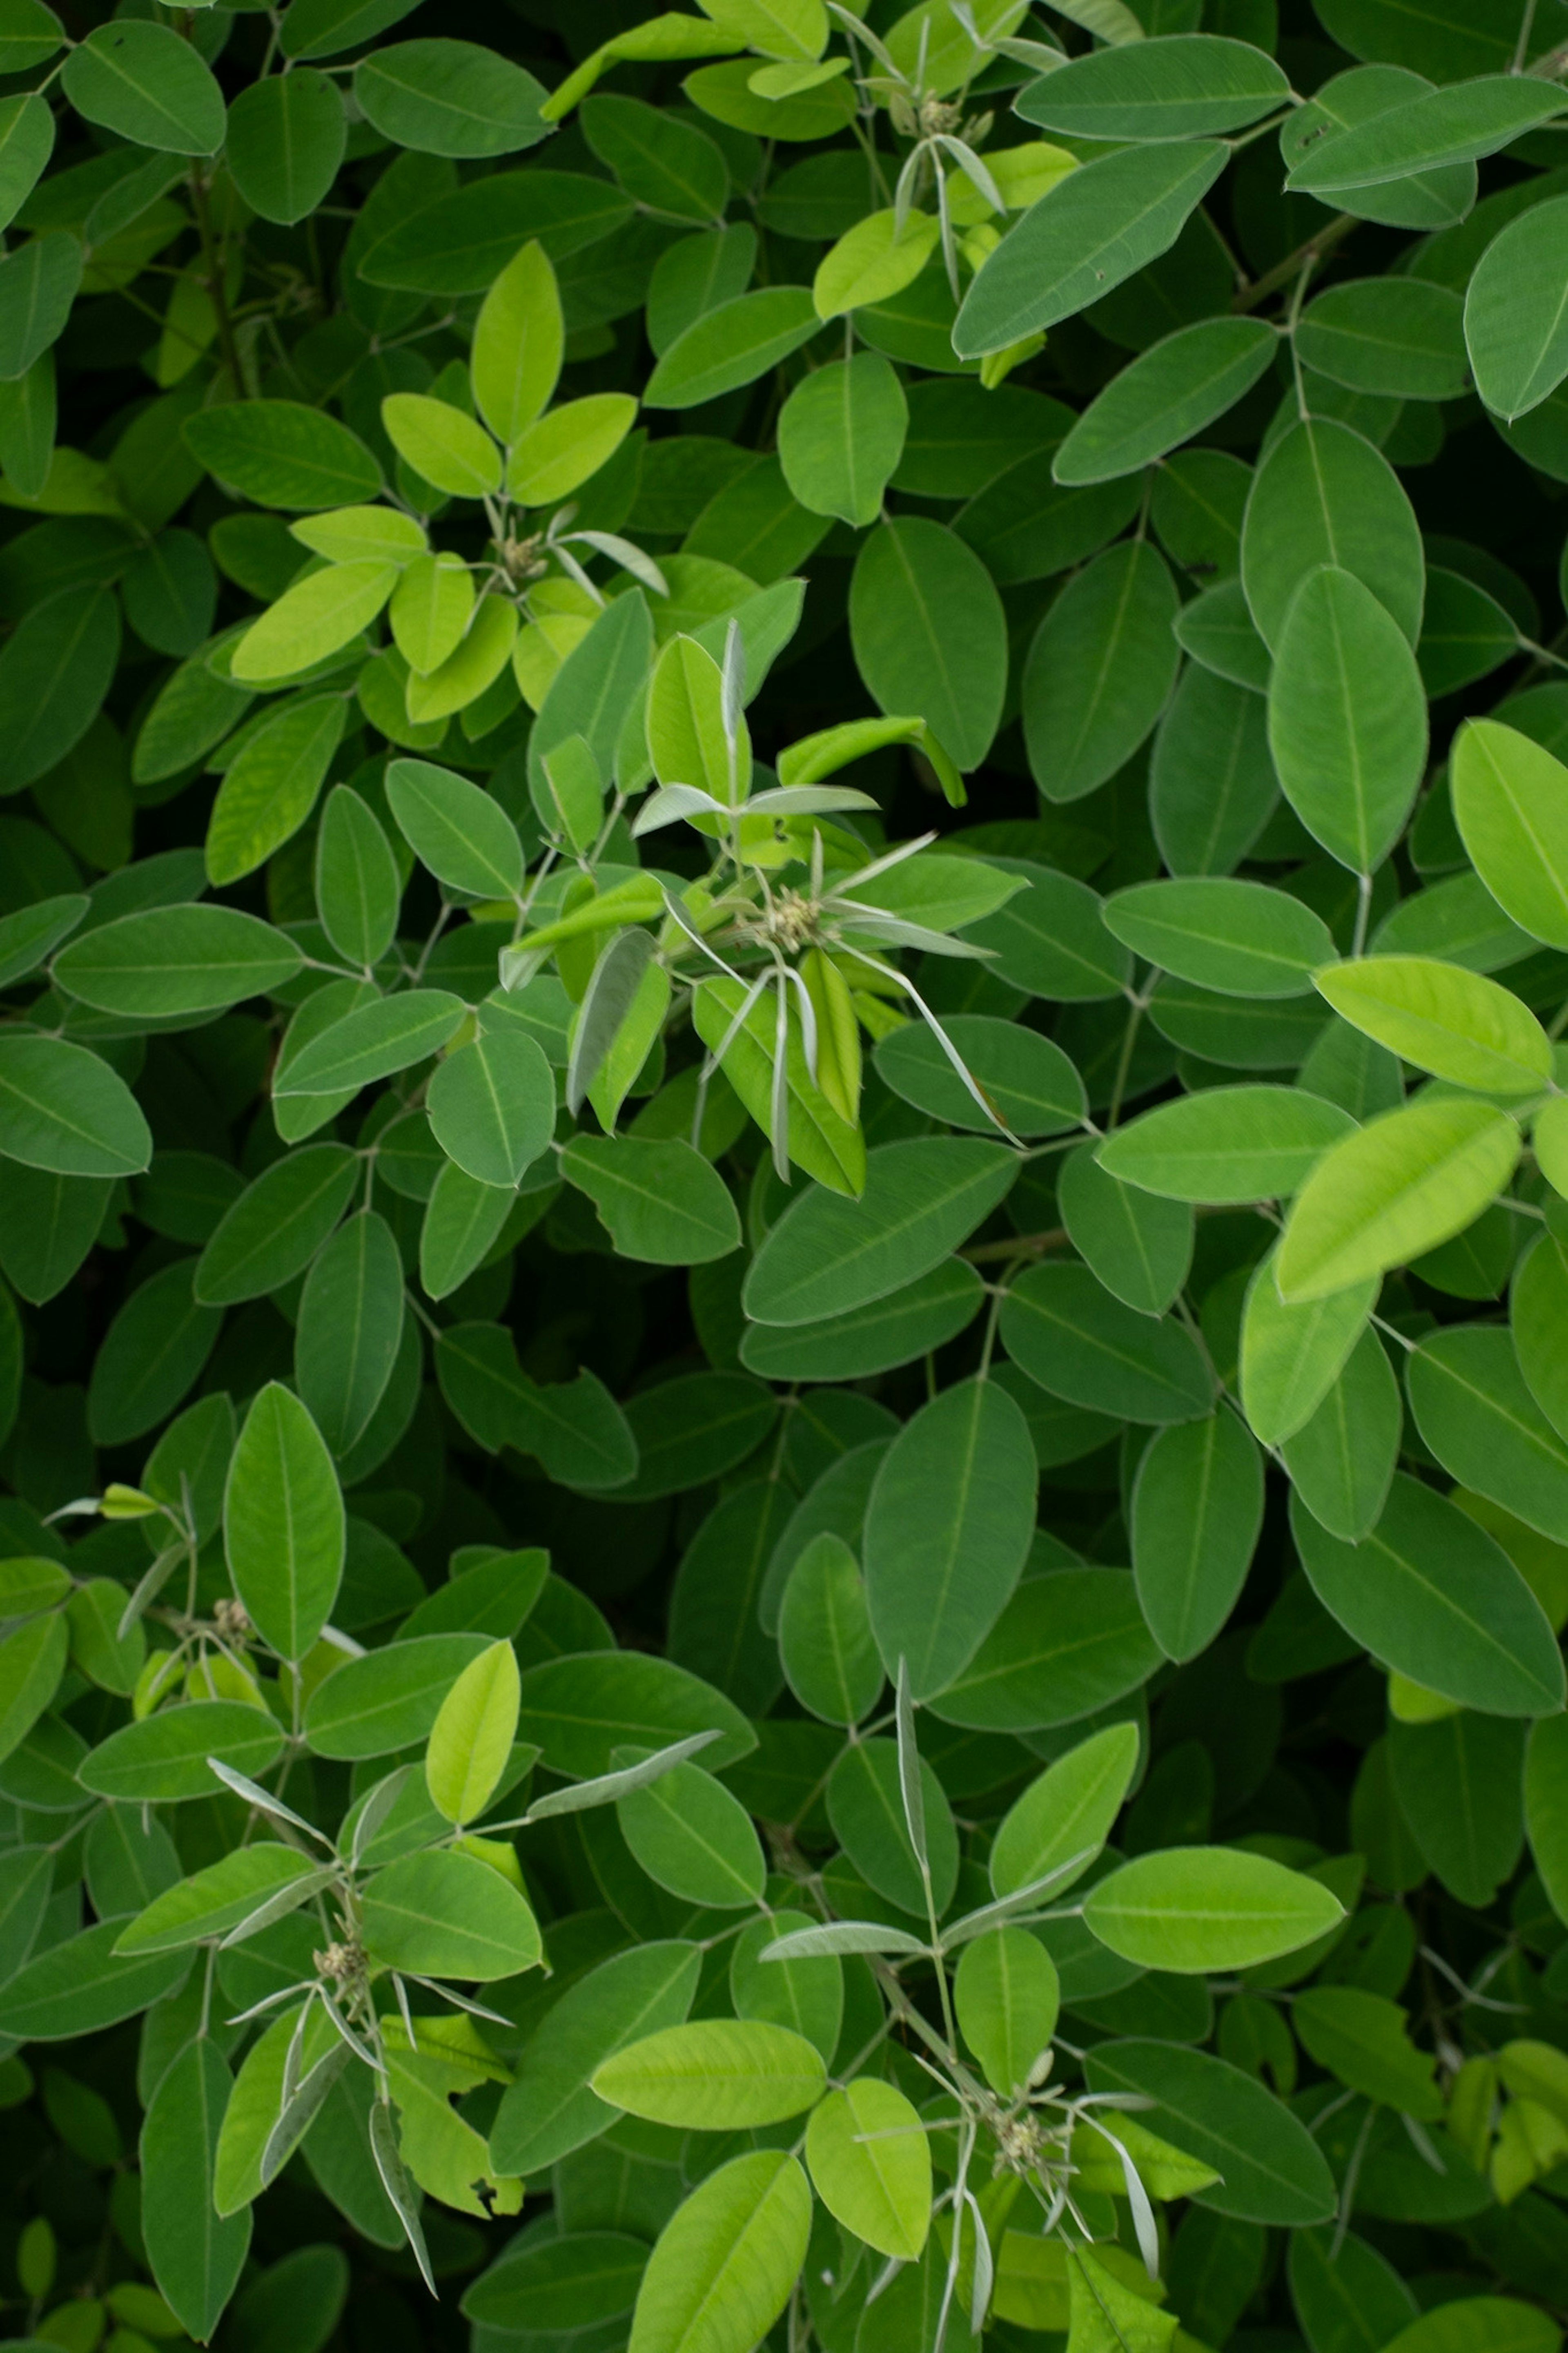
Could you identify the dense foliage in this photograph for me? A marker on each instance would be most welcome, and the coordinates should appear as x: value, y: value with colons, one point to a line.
x: 783, y: 1353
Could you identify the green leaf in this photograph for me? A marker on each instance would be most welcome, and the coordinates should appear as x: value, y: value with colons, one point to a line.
x: 841, y: 435
x: 456, y: 829
x: 1509, y: 805
x: 1342, y: 1457
x: 1087, y: 234
x: 662, y: 1203
x: 826, y: 1254
x: 1324, y: 495
x: 1051, y: 940
x: 170, y: 961
x: 1065, y: 1646
x: 166, y: 1758
x: 1362, y: 2039
x: 828, y: 1649
x: 55, y: 670
x: 1443, y: 1606
x: 1471, y: 2323
x: 196, y: 2255
x: 1292, y: 1351
x: 724, y: 2264
x: 929, y: 633
x: 143, y: 82
x: 446, y: 1914
x: 492, y: 1107
x: 870, y: 1813
x: 1100, y: 670
x: 282, y: 454
x: 692, y: 1836
x: 213, y: 1901
x: 1032, y: 1085
x: 471, y: 1738
x: 313, y: 619
x: 1187, y: 86
x: 1066, y: 1331
x: 286, y: 141
x: 277, y: 1226
x: 732, y: 346
x: 1006, y: 1994
x: 38, y: 286
x: 1347, y: 719
x: 1344, y: 2292
x: 550, y: 2109
x: 77, y: 1986
x: 270, y: 787
x: 586, y: 2277
x: 389, y: 1699
x: 870, y: 2164
x: 718, y: 2076
x: 1475, y: 1412
x: 1197, y: 1511
x: 1241, y: 938
x: 1270, y: 2168
x: 1198, y: 1909
x: 517, y: 346
x: 579, y: 1710
x: 669, y: 166
x: 63, y: 1110
x: 1401, y: 1185
x: 1066, y: 1812
x: 948, y: 1528
x: 1226, y: 1144
x: 460, y: 243
x: 449, y: 97
x: 1515, y: 325
x: 1400, y: 337
x: 1456, y: 1024
x: 350, y: 1329
x: 1165, y: 397
x: 1437, y: 128
x: 32, y: 1663
x: 358, y: 885
x: 373, y: 1042
x: 283, y: 1523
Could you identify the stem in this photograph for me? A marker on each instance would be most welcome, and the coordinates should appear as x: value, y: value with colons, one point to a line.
x: 1314, y: 249
x: 1522, y: 47
x: 1363, y: 913
x: 230, y: 349
x: 1124, y: 1064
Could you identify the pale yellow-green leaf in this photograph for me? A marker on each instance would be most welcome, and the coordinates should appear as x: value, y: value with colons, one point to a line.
x: 726, y: 2260
x: 350, y: 535
x: 562, y: 449
x: 445, y: 446
x: 774, y: 28
x: 685, y: 724
x: 312, y: 619
x: 1549, y: 1135
x: 1109, y: 2317
x: 1511, y: 803
x: 1022, y: 175
x: 447, y: 2157
x: 1292, y: 1353
x: 472, y: 1736
x: 1457, y: 1024
x: 518, y: 343
x: 430, y: 609
x: 1400, y: 1186
x: 932, y: 33
x: 477, y: 663
x: 871, y: 2164
x: 718, y: 2074
x: 870, y: 263
x: 540, y: 650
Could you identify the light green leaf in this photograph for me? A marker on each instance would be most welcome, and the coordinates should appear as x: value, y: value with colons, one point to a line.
x: 1006, y: 1994
x: 1226, y: 1144
x: 213, y: 1901
x: 724, y: 2265
x: 1401, y: 1185
x: 471, y: 1738
x: 447, y: 1914
x: 1066, y: 1812
x: 312, y: 619
x: 283, y: 1523
x: 1201, y: 1907
x: 1511, y: 803
x: 517, y: 346
x: 1456, y: 1024
x: 1347, y: 718
x: 870, y: 2164
x: 716, y: 2076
